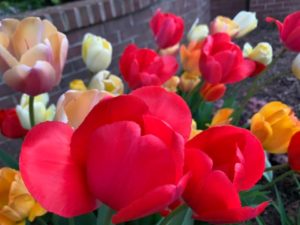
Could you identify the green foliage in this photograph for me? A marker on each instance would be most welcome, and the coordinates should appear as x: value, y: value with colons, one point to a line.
x: 8, y: 160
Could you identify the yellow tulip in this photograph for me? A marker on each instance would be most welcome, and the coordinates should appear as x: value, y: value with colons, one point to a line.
x: 222, y: 117
x: 274, y: 125
x: 197, y: 32
x: 172, y: 84
x: 296, y: 66
x: 96, y: 52
x: 188, y: 81
x: 42, y: 113
x: 223, y: 24
x: 262, y: 53
x: 32, y: 54
x: 16, y: 204
x: 73, y: 106
x: 105, y: 81
x: 246, y: 21
x: 78, y: 85
x: 194, y: 130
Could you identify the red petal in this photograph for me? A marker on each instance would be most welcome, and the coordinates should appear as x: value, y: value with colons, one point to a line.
x: 292, y: 42
x: 107, y: 111
x: 294, y: 152
x: 123, y: 169
x: 152, y: 202
x: 50, y: 173
x: 243, y: 70
x: 168, y: 107
x: 211, y: 69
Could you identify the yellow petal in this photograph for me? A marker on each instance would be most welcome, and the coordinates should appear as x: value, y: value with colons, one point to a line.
x: 5, y: 221
x: 222, y: 117
x: 49, y: 29
x: 78, y: 85
x: 172, y: 84
x: 260, y: 128
x: 36, y: 211
x: 11, y: 214
x: 22, y: 205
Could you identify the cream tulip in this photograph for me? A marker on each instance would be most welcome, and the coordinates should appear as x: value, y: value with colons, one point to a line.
x: 262, y: 53
x: 96, y: 52
x: 42, y: 113
x: 247, y: 22
x: 296, y: 66
x: 223, y: 24
x: 197, y: 32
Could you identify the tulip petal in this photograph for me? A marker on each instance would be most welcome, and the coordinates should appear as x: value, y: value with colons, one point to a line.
x: 50, y: 173
x: 109, y: 110
x: 293, y: 39
x: 32, y: 81
x: 6, y: 59
x: 49, y: 29
x: 294, y: 152
x: 40, y: 52
x: 211, y: 69
x: 289, y: 24
x: 167, y: 106
x: 139, y: 162
x: 243, y: 70
x: 152, y: 202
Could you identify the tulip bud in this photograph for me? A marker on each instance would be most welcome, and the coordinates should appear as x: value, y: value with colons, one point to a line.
x: 222, y: 117
x: 296, y: 66
x: 172, y: 84
x: 78, y: 85
x: 41, y: 112
x: 212, y: 92
x: 262, y: 53
x: 197, y: 32
x: 96, y: 52
x: 10, y: 125
x: 247, y: 22
x: 105, y: 81
x: 294, y: 152
x: 188, y: 81
x: 223, y: 24
x: 173, y: 50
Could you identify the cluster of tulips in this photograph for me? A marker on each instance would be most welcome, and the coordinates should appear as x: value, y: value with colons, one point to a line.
x: 159, y: 154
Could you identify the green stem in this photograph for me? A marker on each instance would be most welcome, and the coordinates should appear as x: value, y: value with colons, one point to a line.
x: 31, y: 110
x: 178, y: 210
x: 277, y: 167
x: 277, y: 179
x: 255, y: 87
x: 41, y: 221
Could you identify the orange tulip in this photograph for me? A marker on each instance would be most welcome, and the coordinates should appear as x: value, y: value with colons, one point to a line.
x: 190, y: 57
x: 274, y: 125
x: 222, y: 117
x: 16, y: 204
x: 212, y: 92
x: 73, y: 106
x: 32, y: 54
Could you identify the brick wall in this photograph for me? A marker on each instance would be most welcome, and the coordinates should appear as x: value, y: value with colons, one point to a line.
x: 227, y: 8
x: 119, y: 21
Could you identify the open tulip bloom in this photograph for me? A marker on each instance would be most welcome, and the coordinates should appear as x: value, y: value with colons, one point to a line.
x: 161, y: 153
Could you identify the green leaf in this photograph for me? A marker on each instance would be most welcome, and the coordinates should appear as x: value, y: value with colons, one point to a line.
x: 58, y: 220
x: 8, y: 160
x: 89, y: 219
x: 180, y: 216
x: 260, y: 221
x: 204, y: 114
x: 104, y: 215
x: 269, y: 174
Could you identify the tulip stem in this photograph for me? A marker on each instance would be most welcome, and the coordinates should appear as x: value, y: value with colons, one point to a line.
x: 31, y: 110
x: 255, y: 87
x: 277, y: 167
x: 277, y: 179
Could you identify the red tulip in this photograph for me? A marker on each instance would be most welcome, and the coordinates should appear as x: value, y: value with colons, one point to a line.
x: 294, y: 152
x: 167, y: 29
x: 222, y: 61
x: 144, y: 67
x: 10, y: 124
x: 212, y: 92
x: 127, y: 153
x: 289, y: 30
x: 223, y: 160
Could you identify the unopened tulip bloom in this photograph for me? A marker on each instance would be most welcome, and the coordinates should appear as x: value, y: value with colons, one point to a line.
x: 172, y: 84
x: 73, y: 106
x: 42, y: 113
x: 212, y: 92
x: 128, y: 153
x: 173, y: 50
x: 222, y: 117
x: 17, y: 204
x: 10, y: 125
x: 190, y: 56
x: 289, y: 30
x: 197, y: 32
x: 167, y: 29
x: 78, y: 85
x: 247, y: 22
x: 274, y: 125
x: 296, y: 66
x: 144, y: 67
x: 188, y: 81
x: 105, y: 81
x: 222, y: 61
x: 32, y: 54
x: 223, y: 24
x: 262, y: 52
x: 96, y: 52
x: 223, y: 161
x: 294, y: 152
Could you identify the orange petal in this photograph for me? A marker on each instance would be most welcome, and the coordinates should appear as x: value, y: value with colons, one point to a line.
x: 222, y: 117
x: 49, y: 29
x: 6, y: 59
x: 260, y: 128
x: 28, y: 34
x: 8, y: 26
x: 40, y: 52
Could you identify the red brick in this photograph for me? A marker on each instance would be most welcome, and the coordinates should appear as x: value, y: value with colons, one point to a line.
x: 84, y: 16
